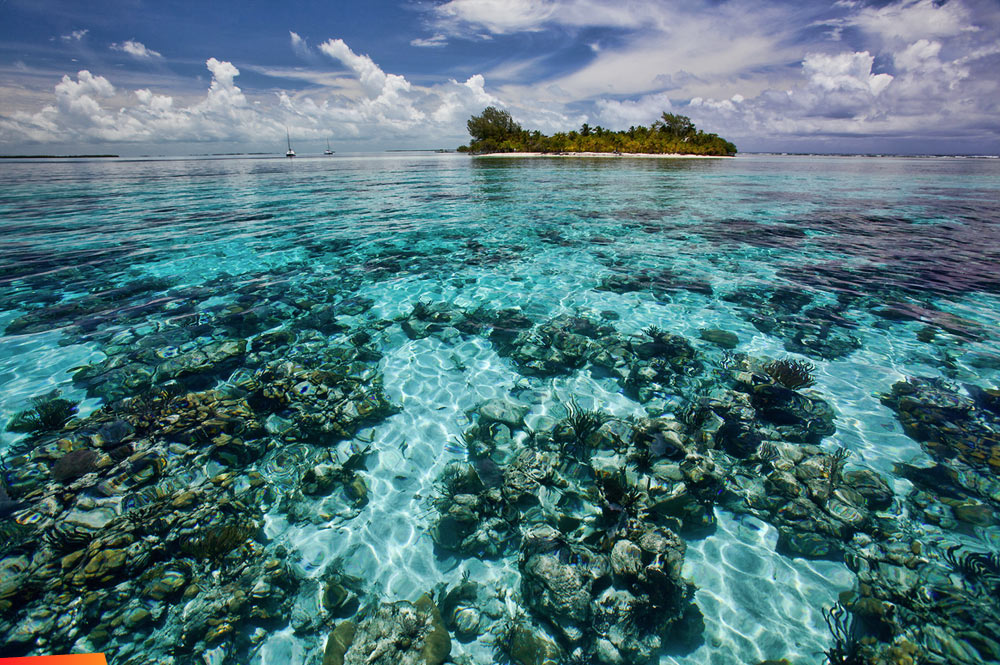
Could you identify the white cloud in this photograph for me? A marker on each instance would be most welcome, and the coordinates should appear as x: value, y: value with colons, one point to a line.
x: 687, y: 61
x: 75, y: 36
x: 461, y: 100
x: 694, y: 48
x: 642, y: 111
x: 373, y: 79
x: 79, y: 98
x: 841, y: 96
x: 369, y: 103
x: 916, y: 54
x: 388, y: 95
x: 911, y: 67
x: 430, y: 42
x: 497, y: 16
x: 907, y: 20
x: 136, y: 49
x: 79, y: 115
x: 86, y: 84
x: 738, y: 69
x: 509, y: 16
x: 159, y: 105
x: 846, y: 72
x: 299, y: 45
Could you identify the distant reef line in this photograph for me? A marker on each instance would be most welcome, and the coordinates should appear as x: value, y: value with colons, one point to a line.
x: 496, y: 132
x: 57, y: 156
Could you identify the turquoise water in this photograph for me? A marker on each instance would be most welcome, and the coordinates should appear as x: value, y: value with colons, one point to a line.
x: 341, y: 324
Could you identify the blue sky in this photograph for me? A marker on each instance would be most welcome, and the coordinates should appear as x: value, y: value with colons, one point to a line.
x: 136, y: 77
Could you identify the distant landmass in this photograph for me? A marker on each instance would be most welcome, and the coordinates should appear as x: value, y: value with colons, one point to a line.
x: 55, y: 156
x: 495, y: 131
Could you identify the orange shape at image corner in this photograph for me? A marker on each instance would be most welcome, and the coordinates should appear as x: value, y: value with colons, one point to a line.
x: 78, y: 659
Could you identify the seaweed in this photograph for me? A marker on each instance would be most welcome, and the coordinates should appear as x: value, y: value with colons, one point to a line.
x: 17, y: 538
x: 767, y: 452
x: 620, y: 502
x: 763, y: 457
x: 837, y: 460
x: 792, y: 374
x: 980, y: 568
x: 48, y: 413
x: 584, y: 423
x: 843, y: 625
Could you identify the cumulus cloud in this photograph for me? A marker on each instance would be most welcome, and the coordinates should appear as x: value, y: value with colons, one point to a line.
x: 387, y: 95
x: 299, y: 45
x: 369, y: 102
x: 461, y: 100
x: 906, y: 68
x: 75, y: 36
x: 136, y: 49
x: 78, y: 113
x: 373, y: 79
x: 841, y: 96
x: 642, y: 111
x: 847, y: 72
x: 79, y: 98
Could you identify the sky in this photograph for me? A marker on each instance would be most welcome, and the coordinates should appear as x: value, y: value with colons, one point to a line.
x: 191, y: 77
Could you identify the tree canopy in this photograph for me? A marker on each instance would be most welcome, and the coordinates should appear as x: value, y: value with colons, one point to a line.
x: 496, y: 131
x: 492, y: 124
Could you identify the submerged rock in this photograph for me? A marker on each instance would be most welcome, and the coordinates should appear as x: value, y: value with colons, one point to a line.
x: 525, y: 646
x: 949, y: 423
x: 400, y: 633
x: 612, y: 609
x: 501, y: 411
x: 821, y: 331
x: 724, y: 339
x: 74, y: 464
x: 796, y: 416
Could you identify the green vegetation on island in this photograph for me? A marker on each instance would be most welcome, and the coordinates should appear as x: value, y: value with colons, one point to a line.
x: 496, y: 131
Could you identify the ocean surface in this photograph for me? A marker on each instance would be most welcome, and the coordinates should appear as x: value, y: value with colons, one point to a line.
x: 237, y: 394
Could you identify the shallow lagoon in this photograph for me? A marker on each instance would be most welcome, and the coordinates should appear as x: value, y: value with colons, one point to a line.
x: 352, y: 327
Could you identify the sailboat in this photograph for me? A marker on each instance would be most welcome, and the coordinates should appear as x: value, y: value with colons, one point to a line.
x: 328, y: 151
x: 290, y: 152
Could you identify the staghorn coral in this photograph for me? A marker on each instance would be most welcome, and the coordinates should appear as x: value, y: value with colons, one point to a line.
x: 792, y: 374
x: 653, y: 332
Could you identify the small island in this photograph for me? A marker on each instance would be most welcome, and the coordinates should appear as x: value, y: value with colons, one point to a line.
x: 495, y: 132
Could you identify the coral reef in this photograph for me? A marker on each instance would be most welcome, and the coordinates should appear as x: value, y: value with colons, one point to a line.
x: 48, y: 412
